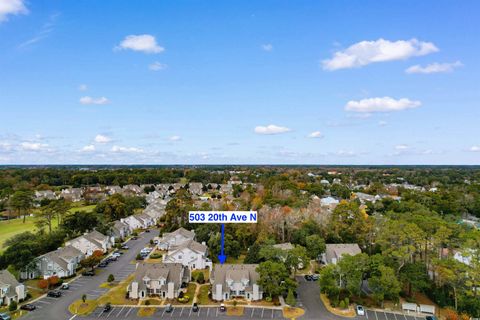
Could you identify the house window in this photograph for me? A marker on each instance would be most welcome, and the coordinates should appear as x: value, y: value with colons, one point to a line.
x: 179, y: 256
x: 241, y: 292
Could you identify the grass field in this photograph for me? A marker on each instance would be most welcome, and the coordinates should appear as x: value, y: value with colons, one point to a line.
x: 9, y: 228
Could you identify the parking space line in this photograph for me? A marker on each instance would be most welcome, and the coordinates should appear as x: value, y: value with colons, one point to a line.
x: 181, y: 311
x: 110, y: 312
x: 164, y: 309
x: 190, y: 312
x: 273, y: 312
x: 216, y: 313
x: 129, y: 310
x: 253, y: 310
x: 208, y: 312
x: 100, y: 313
x: 173, y: 311
x: 120, y: 311
x: 263, y: 309
x: 405, y: 316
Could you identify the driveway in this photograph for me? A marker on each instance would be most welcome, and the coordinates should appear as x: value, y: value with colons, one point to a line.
x: 57, y: 308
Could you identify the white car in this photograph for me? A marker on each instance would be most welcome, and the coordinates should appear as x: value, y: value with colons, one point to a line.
x: 360, y: 310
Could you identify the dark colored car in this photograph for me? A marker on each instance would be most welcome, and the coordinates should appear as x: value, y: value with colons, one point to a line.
x: 28, y: 307
x: 430, y: 318
x: 102, y: 264
x: 308, y: 277
x: 88, y: 273
x: 184, y: 285
x: 107, y: 307
x: 112, y: 259
x: 54, y: 294
x: 147, y: 231
x: 195, y: 307
x: 223, y: 308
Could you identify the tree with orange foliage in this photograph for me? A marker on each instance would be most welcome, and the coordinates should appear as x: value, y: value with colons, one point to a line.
x: 43, y: 284
x: 52, y: 281
x: 451, y: 314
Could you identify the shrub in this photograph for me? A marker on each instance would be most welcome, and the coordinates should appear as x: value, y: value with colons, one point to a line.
x: 268, y: 299
x: 84, y: 297
x: 347, y: 302
x: 53, y: 281
x: 147, y: 303
x: 111, y: 278
x: 13, y: 306
x: 139, y: 257
x: 342, y: 305
x: 155, y: 255
x: 201, y: 278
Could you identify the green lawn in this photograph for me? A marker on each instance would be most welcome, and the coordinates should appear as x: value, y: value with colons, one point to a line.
x: 9, y: 228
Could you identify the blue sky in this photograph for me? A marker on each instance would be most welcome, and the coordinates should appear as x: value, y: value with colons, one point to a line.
x: 239, y: 82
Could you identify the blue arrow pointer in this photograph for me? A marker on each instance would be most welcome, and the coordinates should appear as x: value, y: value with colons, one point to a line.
x: 222, y: 257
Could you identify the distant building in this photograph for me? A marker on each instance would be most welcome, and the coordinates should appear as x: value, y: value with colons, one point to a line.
x: 334, y: 252
x: 175, y: 238
x: 62, y: 262
x: 190, y: 254
x: 90, y: 242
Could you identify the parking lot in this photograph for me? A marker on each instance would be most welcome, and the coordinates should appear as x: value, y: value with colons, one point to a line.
x: 185, y: 312
x: 382, y: 315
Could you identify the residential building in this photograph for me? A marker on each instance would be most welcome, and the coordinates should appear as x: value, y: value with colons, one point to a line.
x: 10, y: 289
x: 62, y: 262
x: 120, y: 230
x: 45, y: 194
x: 235, y: 280
x: 72, y: 194
x: 175, y: 238
x: 190, y: 254
x: 334, y: 252
x: 90, y: 242
x: 158, y: 279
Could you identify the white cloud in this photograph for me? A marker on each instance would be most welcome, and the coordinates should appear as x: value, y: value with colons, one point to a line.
x: 401, y: 147
x: 434, y: 68
x: 118, y: 149
x: 83, y: 87
x: 345, y: 153
x: 89, y: 148
x: 11, y: 7
x: 474, y: 149
x: 315, y: 134
x: 100, y: 138
x: 157, y: 66
x: 90, y: 100
x: 267, y: 47
x: 33, y: 146
x: 271, y: 129
x: 175, y: 138
x: 384, y: 104
x: 5, y: 146
x: 382, y: 123
x: 143, y: 43
x: 366, y: 52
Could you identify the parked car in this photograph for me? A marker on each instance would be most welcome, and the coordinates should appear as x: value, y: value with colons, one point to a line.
x: 65, y: 286
x: 195, y: 307
x: 102, y: 264
x: 28, y: 307
x: 315, y: 277
x: 54, y: 294
x: 360, y: 310
x: 107, y: 307
x: 112, y: 259
x: 168, y: 308
x: 223, y: 308
x: 430, y: 318
x: 88, y: 273
x: 147, y: 231
x: 124, y: 247
x: 134, y: 238
x: 184, y: 285
x: 308, y: 277
x: 4, y: 316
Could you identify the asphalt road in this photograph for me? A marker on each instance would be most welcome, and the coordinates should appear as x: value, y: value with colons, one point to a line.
x: 57, y: 308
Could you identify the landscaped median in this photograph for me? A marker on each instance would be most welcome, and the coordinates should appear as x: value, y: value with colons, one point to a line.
x: 350, y: 312
x: 292, y: 313
x: 82, y: 308
x: 235, y: 311
x: 146, y: 311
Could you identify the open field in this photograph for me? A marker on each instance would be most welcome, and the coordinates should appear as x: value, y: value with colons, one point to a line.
x: 9, y: 228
